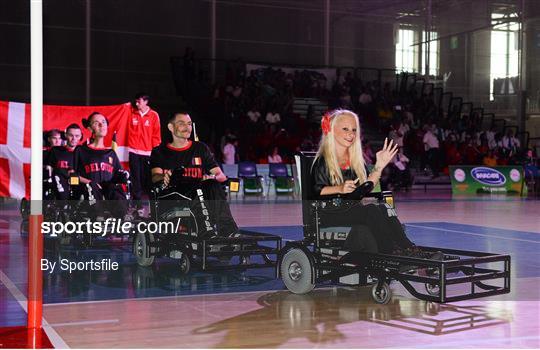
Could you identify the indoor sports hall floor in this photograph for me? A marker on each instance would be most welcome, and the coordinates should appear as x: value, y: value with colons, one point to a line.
x: 158, y: 307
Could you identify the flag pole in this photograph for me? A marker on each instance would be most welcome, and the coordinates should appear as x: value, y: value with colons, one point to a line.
x: 195, y: 136
x: 35, y: 248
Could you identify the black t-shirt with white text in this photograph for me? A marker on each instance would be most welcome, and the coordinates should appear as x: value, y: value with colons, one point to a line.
x: 61, y: 157
x: 97, y: 164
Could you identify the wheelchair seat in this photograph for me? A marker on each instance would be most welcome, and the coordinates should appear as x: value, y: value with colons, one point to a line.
x: 329, y: 237
x: 321, y: 257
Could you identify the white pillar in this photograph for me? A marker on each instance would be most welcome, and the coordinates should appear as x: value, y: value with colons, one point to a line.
x: 36, y: 99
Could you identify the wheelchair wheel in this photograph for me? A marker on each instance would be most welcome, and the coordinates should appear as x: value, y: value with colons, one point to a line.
x: 143, y: 278
x: 24, y: 208
x: 381, y: 293
x: 433, y: 289
x: 297, y: 272
x: 185, y: 264
x: 141, y: 250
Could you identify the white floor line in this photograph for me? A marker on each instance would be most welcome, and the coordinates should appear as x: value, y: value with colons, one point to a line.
x: 54, y: 337
x: 176, y: 297
x: 83, y: 323
x: 473, y: 234
x: 164, y: 297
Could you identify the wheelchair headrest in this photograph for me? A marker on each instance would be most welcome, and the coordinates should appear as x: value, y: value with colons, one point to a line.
x: 304, y: 161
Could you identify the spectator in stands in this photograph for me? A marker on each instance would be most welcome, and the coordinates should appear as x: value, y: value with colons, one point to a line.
x: 431, y: 146
x: 369, y: 155
x: 482, y: 148
x: 365, y: 98
x: 229, y: 151
x: 228, y: 135
x: 395, y: 135
x: 400, y: 172
x: 452, y: 155
x: 273, y: 117
x: 490, y: 136
x: 384, y: 113
x: 345, y: 99
x: 490, y: 159
x: 510, y: 143
x: 274, y: 156
x: 404, y: 127
x: 530, y: 159
x: 254, y: 115
x: 470, y: 151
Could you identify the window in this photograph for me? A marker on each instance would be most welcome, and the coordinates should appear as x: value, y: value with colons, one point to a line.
x: 504, y: 54
x: 411, y: 57
x: 433, y: 53
x: 406, y: 53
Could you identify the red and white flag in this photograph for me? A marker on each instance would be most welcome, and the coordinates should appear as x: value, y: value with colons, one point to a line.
x: 15, y: 139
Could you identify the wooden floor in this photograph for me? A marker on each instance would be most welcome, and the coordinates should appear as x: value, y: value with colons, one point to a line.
x: 336, y: 318
x: 333, y: 317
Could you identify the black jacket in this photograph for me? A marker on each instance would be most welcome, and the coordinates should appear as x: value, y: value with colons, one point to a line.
x: 320, y: 177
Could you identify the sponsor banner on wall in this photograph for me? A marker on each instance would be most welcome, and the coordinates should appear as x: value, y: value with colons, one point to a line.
x: 469, y: 179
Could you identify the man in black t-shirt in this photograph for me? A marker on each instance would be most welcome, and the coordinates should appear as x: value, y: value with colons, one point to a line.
x: 60, y: 161
x: 188, y: 167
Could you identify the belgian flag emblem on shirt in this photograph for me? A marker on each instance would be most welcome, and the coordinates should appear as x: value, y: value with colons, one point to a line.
x: 197, y: 161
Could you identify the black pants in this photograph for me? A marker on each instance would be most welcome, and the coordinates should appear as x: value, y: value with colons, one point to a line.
x: 381, y: 221
x: 139, y: 167
x: 433, y: 158
x: 106, y: 197
x: 208, y: 203
x: 58, y: 188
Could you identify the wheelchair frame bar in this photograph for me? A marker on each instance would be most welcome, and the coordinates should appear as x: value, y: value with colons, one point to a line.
x: 184, y: 243
x: 386, y: 266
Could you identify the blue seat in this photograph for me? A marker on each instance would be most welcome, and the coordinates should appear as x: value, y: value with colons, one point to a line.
x: 251, y: 180
x: 283, y: 181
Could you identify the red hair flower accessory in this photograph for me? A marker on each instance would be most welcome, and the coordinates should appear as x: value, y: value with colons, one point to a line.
x: 326, y: 125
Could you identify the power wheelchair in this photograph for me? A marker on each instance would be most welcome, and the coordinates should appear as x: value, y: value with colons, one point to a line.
x: 320, y: 257
x: 189, y: 245
x: 66, y: 199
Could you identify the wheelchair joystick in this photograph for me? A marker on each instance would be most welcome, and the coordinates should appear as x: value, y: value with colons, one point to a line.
x: 361, y: 191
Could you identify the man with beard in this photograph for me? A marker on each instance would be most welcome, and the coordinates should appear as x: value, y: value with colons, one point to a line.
x: 199, y: 178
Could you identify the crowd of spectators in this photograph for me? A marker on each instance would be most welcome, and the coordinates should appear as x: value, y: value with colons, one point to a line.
x: 429, y: 136
x: 253, y: 117
x: 256, y: 110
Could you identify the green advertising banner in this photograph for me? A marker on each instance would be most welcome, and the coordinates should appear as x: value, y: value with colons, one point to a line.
x: 470, y: 179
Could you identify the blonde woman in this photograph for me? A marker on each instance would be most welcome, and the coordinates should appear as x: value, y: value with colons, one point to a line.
x: 338, y: 169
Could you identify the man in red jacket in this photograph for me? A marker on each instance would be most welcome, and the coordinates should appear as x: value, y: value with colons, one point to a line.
x: 144, y: 133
